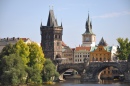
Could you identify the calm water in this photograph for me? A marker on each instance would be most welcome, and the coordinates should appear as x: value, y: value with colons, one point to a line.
x: 76, y: 82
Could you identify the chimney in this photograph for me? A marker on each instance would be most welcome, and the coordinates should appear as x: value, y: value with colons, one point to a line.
x: 13, y: 38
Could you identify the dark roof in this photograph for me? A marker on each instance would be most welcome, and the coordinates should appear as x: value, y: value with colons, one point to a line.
x: 51, y: 19
x: 88, y: 26
x: 102, y: 42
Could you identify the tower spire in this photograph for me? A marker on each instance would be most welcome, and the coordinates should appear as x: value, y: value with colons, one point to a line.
x: 41, y: 24
x: 51, y: 19
x: 88, y: 26
x: 61, y: 24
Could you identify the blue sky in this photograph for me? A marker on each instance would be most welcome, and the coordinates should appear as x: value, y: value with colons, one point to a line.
x: 22, y: 18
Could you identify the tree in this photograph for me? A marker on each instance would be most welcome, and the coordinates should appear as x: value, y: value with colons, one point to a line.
x: 123, y: 50
x: 49, y: 71
x: 13, y: 70
x: 7, y: 50
x: 35, y: 65
x: 22, y: 50
x: 36, y: 56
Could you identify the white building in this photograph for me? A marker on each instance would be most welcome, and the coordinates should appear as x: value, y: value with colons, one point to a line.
x: 81, y: 53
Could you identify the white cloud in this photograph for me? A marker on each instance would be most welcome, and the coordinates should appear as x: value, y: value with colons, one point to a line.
x: 114, y: 14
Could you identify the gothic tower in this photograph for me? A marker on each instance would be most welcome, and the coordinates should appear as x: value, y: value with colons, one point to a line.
x: 88, y: 38
x: 51, y: 37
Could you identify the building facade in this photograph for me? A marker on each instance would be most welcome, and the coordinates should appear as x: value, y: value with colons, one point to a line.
x: 5, y: 41
x: 102, y: 53
x: 67, y: 55
x: 81, y: 53
x: 51, y: 37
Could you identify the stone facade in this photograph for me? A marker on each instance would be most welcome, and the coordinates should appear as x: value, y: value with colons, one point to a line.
x: 51, y: 37
x: 67, y: 55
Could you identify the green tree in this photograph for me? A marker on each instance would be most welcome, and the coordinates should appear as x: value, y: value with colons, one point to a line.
x: 7, y: 50
x: 123, y: 49
x: 13, y: 70
x: 36, y: 56
x: 35, y: 65
x: 22, y: 49
x: 49, y: 71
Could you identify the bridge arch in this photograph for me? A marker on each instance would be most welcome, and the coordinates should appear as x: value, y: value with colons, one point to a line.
x: 97, y: 71
x: 64, y: 67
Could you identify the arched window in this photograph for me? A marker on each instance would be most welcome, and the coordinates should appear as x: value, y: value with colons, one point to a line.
x: 55, y: 36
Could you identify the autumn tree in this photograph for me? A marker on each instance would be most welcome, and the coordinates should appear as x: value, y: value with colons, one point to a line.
x: 123, y: 50
x: 22, y: 50
x: 36, y: 61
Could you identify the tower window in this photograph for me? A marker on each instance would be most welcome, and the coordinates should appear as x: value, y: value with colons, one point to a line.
x: 58, y: 44
x: 55, y: 36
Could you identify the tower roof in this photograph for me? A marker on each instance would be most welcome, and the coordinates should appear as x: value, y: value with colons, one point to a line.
x: 51, y: 19
x: 102, y: 42
x: 88, y: 26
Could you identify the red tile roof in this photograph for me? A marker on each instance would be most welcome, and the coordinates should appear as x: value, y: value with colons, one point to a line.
x: 83, y: 48
x: 63, y: 44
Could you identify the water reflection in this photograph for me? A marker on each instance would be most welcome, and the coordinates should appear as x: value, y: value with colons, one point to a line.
x: 76, y: 82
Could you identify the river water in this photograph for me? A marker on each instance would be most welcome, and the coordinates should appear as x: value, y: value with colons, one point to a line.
x: 76, y: 82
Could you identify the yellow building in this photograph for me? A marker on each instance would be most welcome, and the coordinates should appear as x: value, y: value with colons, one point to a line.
x: 102, y: 53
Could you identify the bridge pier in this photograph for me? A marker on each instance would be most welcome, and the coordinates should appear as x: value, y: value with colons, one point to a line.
x: 127, y: 74
x: 127, y: 77
x: 88, y: 78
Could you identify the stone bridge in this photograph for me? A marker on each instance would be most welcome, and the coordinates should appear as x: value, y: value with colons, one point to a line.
x: 90, y: 71
x: 94, y: 68
x: 77, y: 66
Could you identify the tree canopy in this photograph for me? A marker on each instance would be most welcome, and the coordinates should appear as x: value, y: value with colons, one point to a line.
x: 35, y: 65
x: 123, y: 50
x: 21, y: 62
x: 13, y: 70
x: 49, y: 71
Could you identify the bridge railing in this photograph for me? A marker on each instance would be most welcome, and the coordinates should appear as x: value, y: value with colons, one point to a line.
x: 111, y: 61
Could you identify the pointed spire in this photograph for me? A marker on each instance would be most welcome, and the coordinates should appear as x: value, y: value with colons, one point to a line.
x: 41, y: 24
x: 102, y: 42
x: 51, y: 19
x: 88, y: 26
x: 61, y: 24
x: 88, y: 17
x: 91, y: 24
x: 56, y: 22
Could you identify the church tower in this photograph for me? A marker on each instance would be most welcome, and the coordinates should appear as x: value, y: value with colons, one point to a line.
x: 88, y: 38
x: 51, y: 37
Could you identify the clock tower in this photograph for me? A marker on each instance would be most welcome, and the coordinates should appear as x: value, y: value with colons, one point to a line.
x: 51, y: 37
x: 88, y: 37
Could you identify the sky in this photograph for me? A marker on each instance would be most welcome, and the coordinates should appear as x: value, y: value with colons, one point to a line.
x: 110, y: 19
